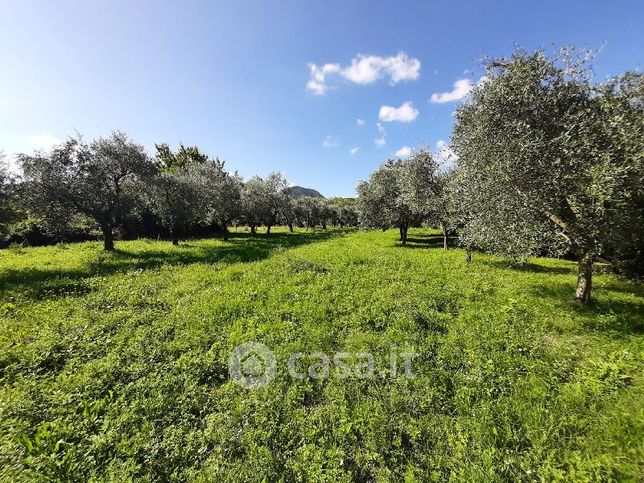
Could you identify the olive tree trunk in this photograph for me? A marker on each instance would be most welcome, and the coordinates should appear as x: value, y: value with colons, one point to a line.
x: 224, y: 227
x: 445, y: 245
x: 403, y: 233
x: 584, y: 277
x: 108, y: 237
x: 174, y: 232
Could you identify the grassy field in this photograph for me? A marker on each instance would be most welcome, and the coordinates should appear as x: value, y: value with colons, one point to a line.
x: 114, y: 366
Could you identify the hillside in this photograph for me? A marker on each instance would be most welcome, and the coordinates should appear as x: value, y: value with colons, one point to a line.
x: 116, y: 365
x: 301, y: 192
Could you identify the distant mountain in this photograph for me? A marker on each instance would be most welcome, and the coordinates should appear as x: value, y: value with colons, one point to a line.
x: 301, y: 192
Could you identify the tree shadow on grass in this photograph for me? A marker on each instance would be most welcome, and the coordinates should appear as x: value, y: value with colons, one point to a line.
x: 530, y: 267
x: 40, y: 284
x: 239, y: 248
x: 427, y: 235
x: 426, y: 241
x: 613, y: 318
x: 625, y: 286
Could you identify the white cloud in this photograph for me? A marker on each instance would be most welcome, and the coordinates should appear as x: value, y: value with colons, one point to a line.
x: 462, y: 88
x: 360, y: 122
x: 405, y: 113
x: 330, y: 141
x: 354, y: 150
x: 317, y: 83
x: 445, y: 154
x: 366, y: 69
x: 44, y: 141
x: 382, y: 140
x: 403, y: 152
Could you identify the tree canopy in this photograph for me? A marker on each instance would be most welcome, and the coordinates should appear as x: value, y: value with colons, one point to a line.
x: 548, y: 160
x: 401, y: 193
x: 96, y: 179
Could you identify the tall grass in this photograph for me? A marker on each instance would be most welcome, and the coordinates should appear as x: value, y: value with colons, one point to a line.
x: 115, y: 366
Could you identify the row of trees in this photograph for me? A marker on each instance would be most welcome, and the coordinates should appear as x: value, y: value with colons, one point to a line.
x: 548, y: 161
x: 113, y: 183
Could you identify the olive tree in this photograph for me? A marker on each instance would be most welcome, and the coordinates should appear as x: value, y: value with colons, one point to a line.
x: 423, y: 189
x: 254, y: 202
x: 542, y: 162
x: 624, y: 100
x: 169, y: 161
x: 179, y: 198
x: 224, y: 197
x: 343, y: 211
x: 288, y: 215
x: 277, y: 198
x: 381, y: 203
x: 306, y: 211
x: 193, y: 188
x: 325, y: 212
x: 99, y: 180
x: 264, y: 200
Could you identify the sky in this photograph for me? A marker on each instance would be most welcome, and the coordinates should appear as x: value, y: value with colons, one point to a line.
x: 323, y: 91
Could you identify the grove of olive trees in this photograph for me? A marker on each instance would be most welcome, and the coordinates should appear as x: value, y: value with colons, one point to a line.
x: 112, y: 183
x: 548, y: 162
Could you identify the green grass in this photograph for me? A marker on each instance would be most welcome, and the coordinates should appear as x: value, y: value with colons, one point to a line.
x: 115, y: 366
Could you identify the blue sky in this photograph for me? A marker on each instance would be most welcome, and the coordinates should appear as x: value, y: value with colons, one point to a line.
x: 231, y: 76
